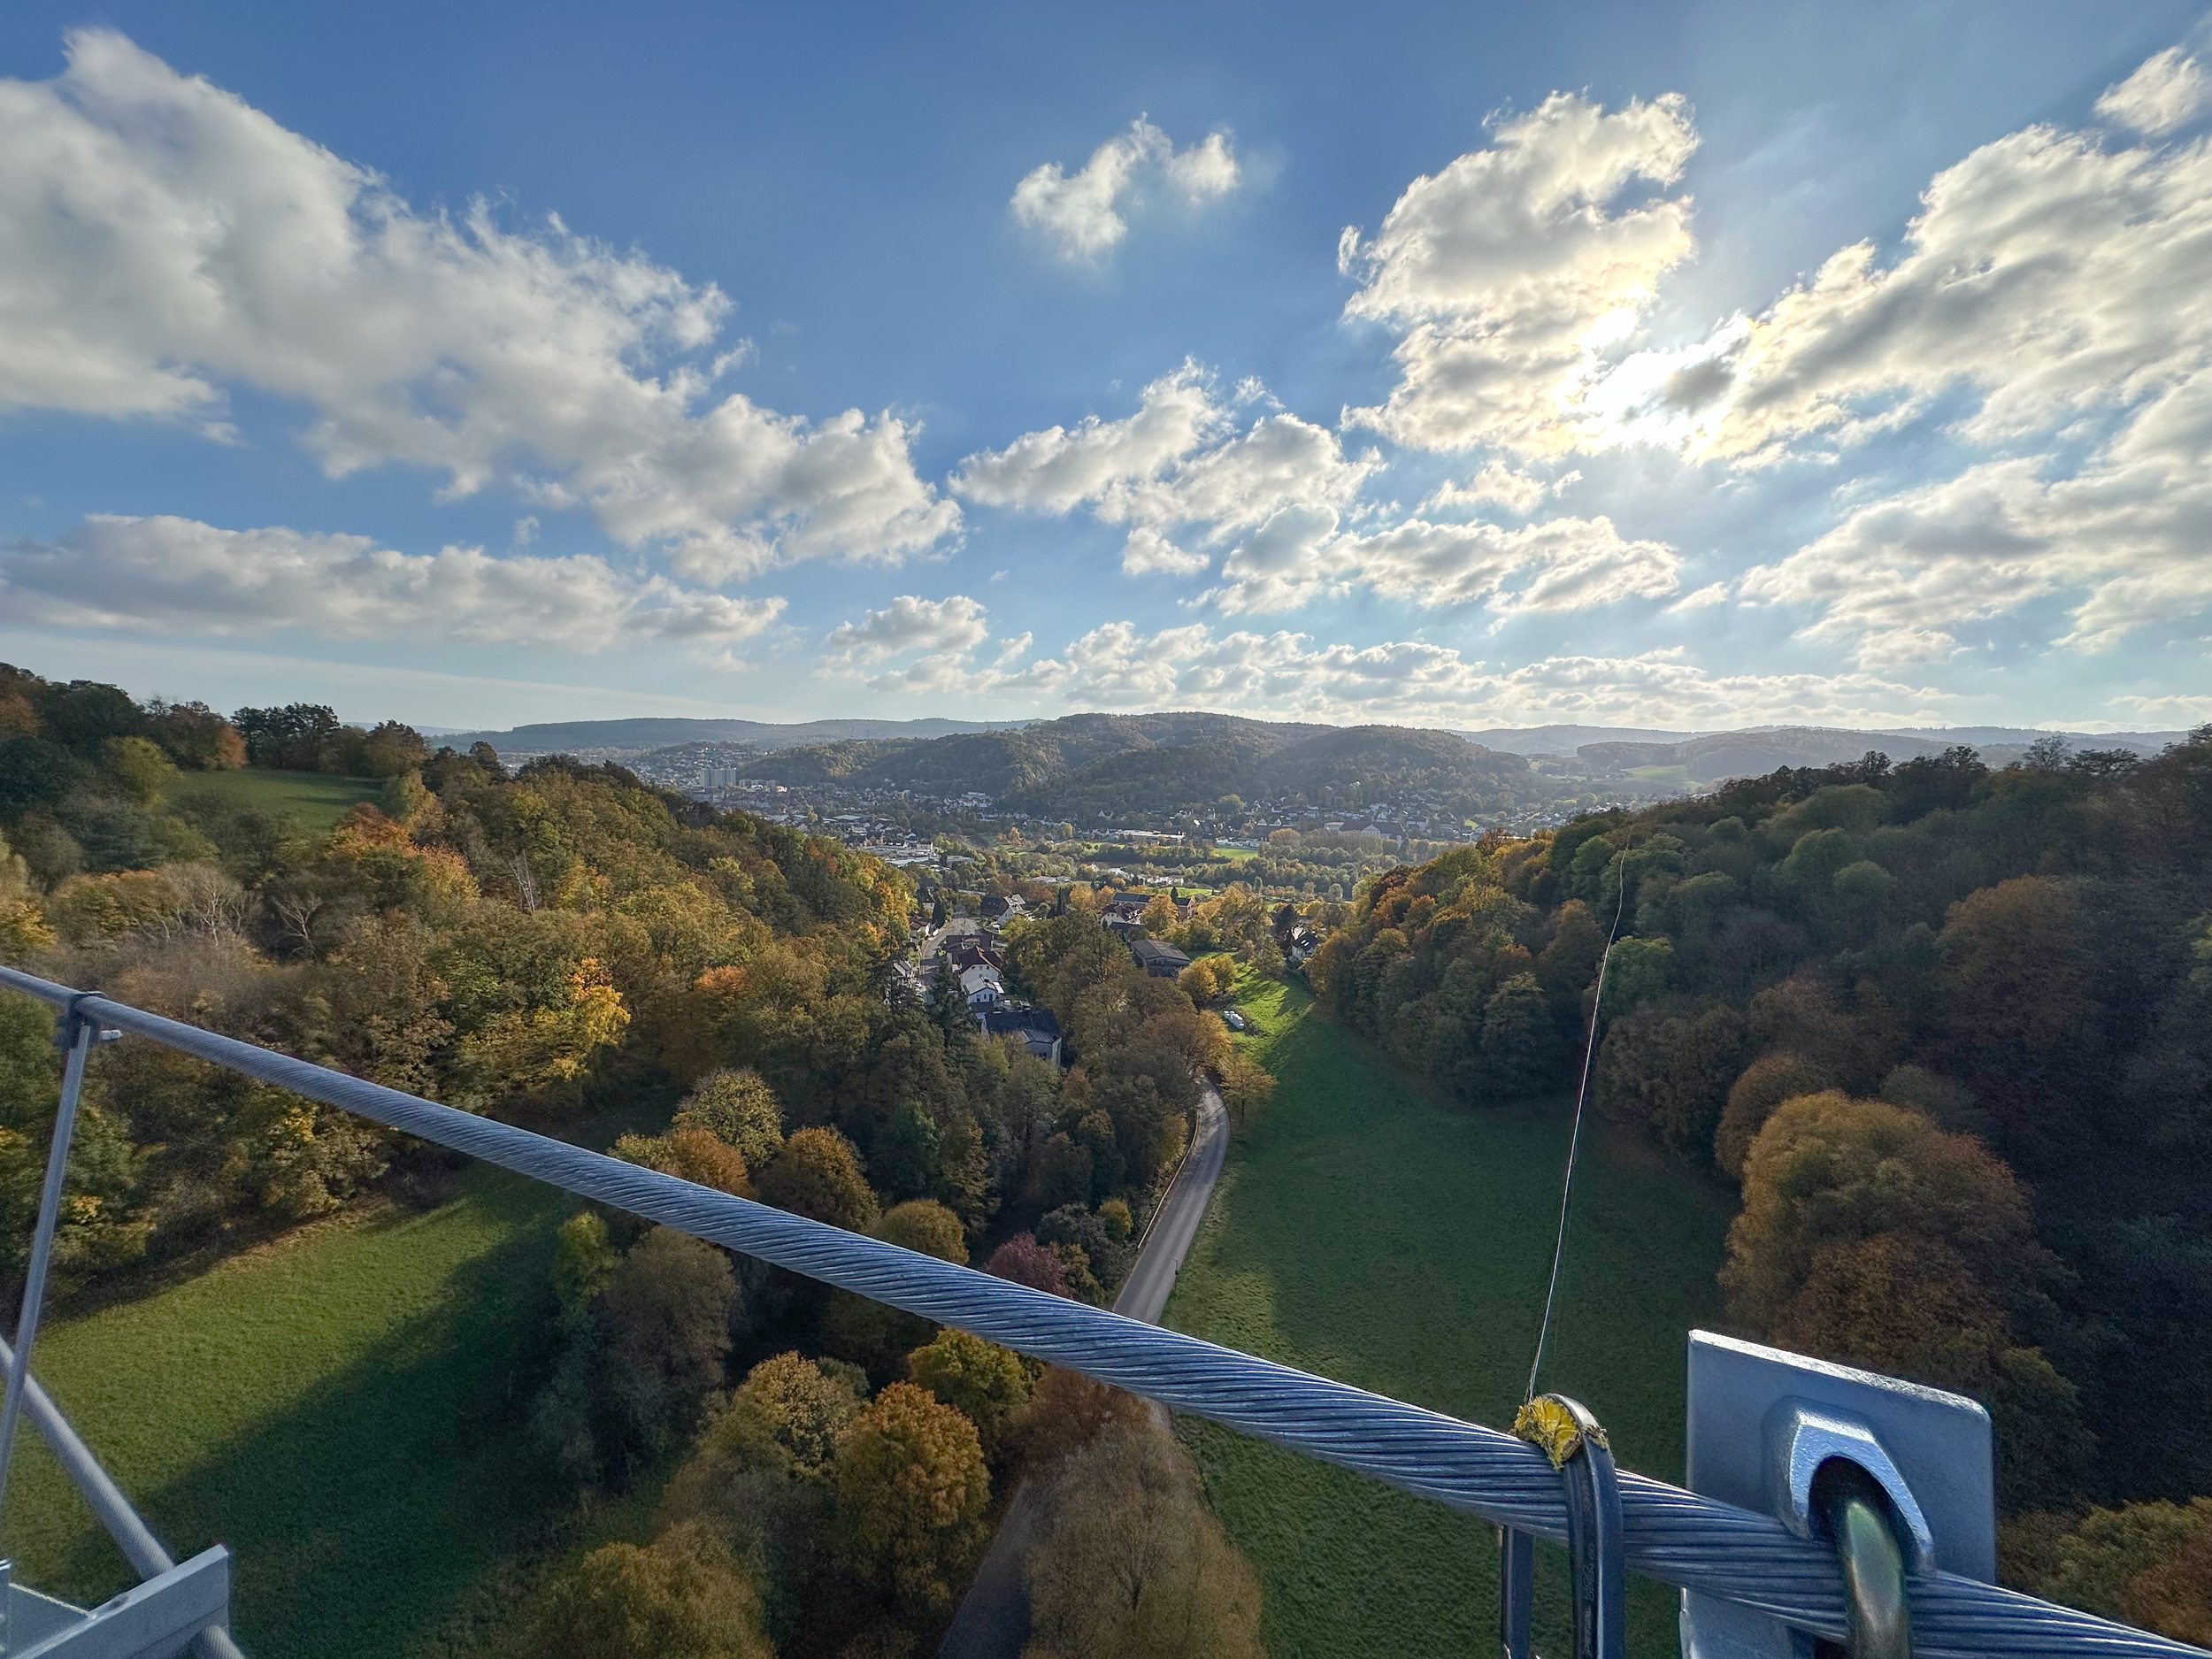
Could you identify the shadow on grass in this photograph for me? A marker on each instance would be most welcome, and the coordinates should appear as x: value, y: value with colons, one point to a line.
x: 1367, y: 1230
x: 360, y: 1512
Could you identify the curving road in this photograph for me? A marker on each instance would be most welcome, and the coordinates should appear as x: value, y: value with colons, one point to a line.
x: 992, y: 1619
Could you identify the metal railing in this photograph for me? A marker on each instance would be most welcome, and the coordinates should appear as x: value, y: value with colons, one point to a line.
x: 1676, y: 1537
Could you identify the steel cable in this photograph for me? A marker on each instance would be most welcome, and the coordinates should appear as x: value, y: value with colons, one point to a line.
x: 1672, y: 1535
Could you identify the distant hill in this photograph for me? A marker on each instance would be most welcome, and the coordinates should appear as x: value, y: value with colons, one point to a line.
x: 1998, y: 737
x: 1754, y: 753
x: 636, y: 736
x: 1565, y: 740
x: 1089, y: 765
x: 1092, y: 765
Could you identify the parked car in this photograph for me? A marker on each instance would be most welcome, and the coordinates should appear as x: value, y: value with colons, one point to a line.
x: 1235, y: 1021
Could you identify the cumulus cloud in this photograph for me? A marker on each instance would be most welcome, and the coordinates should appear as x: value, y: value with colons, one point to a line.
x: 165, y: 241
x: 1178, y: 473
x: 1080, y: 215
x: 2122, y: 544
x: 1060, y: 468
x: 1712, y: 594
x: 1118, y: 666
x: 2052, y: 293
x: 938, y: 640
x: 2047, y: 277
x: 1497, y: 485
x: 909, y: 623
x: 2166, y: 92
x: 1556, y: 565
x: 170, y: 575
x: 1508, y: 273
x: 1279, y: 504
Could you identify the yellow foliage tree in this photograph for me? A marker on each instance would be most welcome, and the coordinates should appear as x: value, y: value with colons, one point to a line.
x: 912, y: 1490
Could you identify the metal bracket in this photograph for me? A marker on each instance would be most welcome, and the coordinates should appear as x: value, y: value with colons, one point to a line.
x: 152, y: 1620
x: 1803, y: 1437
x: 1762, y: 1422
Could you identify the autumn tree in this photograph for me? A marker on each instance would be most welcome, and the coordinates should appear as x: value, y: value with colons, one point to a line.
x: 682, y: 1597
x: 1828, y: 1169
x: 697, y: 1156
x: 1871, y: 1236
x: 874, y: 1333
x: 738, y: 1107
x: 2149, y: 1564
x: 818, y: 1174
x: 1025, y: 1262
x: 1765, y: 1084
x: 1247, y: 1087
x: 982, y: 1381
x: 1131, y: 1562
x: 1066, y: 1412
x: 912, y: 1491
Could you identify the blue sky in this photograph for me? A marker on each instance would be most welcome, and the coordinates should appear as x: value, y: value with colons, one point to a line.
x: 485, y: 364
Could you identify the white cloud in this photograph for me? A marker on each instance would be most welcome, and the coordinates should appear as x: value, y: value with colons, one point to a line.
x: 2123, y: 543
x: 1177, y: 473
x: 1058, y: 470
x: 2166, y: 92
x: 1508, y: 273
x: 1149, y: 553
x: 1080, y: 215
x: 164, y: 239
x: 2180, y: 710
x: 2047, y: 277
x: 1118, y: 666
x: 1556, y: 565
x: 1278, y: 496
x: 177, y: 576
x: 939, y: 639
x: 907, y: 623
x: 1496, y: 485
x: 1704, y: 598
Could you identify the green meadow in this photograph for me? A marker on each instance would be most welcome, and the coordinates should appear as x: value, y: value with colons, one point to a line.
x: 343, y: 1408
x: 313, y: 800
x: 1368, y: 1230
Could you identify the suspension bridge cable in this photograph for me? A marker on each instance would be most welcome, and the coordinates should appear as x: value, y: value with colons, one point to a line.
x: 1680, y: 1538
x: 1574, y: 1135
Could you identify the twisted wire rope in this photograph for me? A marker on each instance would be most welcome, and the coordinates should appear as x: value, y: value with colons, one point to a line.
x: 1678, y: 1537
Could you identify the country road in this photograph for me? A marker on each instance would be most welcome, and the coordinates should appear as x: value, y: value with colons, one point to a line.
x: 1167, y: 1240
x: 992, y: 1619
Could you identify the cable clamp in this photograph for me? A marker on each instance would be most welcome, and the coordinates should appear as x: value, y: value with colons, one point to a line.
x: 1579, y: 1449
x: 73, y: 1016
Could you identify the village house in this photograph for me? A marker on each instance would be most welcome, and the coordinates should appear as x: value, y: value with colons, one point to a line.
x: 1158, y: 959
x: 1038, y: 1029
x: 982, y: 987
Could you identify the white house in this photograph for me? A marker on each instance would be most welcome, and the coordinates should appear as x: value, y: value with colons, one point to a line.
x: 982, y: 986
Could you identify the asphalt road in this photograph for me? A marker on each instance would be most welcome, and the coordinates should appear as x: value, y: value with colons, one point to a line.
x: 992, y: 1619
x: 1167, y: 1241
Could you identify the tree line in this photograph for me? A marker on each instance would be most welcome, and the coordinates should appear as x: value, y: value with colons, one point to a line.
x: 1948, y: 1031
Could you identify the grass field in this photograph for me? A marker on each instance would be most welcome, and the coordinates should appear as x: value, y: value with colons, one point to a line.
x: 344, y: 1408
x: 1367, y: 1231
x: 315, y: 800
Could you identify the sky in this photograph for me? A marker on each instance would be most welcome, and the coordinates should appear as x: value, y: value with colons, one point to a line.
x: 1666, y: 365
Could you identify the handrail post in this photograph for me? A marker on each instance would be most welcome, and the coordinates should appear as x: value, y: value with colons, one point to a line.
x: 78, y: 1034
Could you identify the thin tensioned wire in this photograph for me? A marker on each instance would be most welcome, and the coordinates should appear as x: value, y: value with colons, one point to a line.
x: 1679, y: 1538
x: 1574, y: 1136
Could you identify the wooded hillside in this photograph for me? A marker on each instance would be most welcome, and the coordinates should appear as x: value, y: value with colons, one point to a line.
x: 1950, y: 1031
